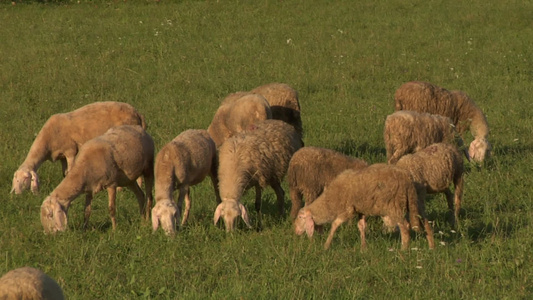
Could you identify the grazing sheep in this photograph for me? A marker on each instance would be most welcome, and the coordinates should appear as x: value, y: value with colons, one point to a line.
x: 311, y: 169
x: 114, y: 159
x: 378, y: 190
x: 182, y: 163
x: 257, y: 157
x: 284, y: 103
x: 409, y: 131
x: 433, y: 169
x: 456, y: 105
x: 235, y: 115
x: 29, y: 283
x: 63, y: 134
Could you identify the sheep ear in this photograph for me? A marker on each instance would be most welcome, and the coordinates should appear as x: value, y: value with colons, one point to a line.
x: 244, y: 215
x: 155, y: 220
x: 218, y: 212
x: 472, y: 150
x: 34, y: 183
x: 60, y: 217
x: 309, y: 226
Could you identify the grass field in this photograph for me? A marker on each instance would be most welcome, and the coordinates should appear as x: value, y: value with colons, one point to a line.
x: 175, y: 60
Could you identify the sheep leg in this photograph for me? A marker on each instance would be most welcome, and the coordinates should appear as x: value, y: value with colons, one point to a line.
x: 149, y: 179
x: 112, y: 194
x: 429, y: 234
x: 134, y: 187
x: 184, y: 194
x: 404, y: 233
x: 449, y: 200
x: 280, y: 195
x: 88, y: 201
x: 258, y: 207
x: 458, y: 195
x: 64, y: 166
x: 296, y: 201
x: 214, y: 180
x: 334, y: 227
x: 361, y: 224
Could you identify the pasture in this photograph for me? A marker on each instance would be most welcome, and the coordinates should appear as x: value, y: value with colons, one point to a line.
x: 175, y: 60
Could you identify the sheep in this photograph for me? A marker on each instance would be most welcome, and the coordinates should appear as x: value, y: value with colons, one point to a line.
x: 116, y: 158
x: 311, y: 169
x: 257, y: 157
x: 29, y: 283
x: 63, y: 134
x: 409, y: 131
x: 283, y: 101
x: 433, y: 169
x: 379, y: 189
x: 236, y: 115
x: 456, y: 105
x: 183, y: 162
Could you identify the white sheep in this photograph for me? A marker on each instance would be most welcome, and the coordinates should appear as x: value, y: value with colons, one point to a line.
x: 114, y: 159
x: 377, y: 190
x: 433, y: 169
x: 29, y: 283
x: 182, y: 163
x: 257, y: 157
x: 236, y: 114
x: 409, y: 131
x: 63, y: 134
x: 456, y: 105
x: 313, y: 168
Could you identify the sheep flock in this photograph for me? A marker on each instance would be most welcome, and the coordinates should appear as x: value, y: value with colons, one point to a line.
x: 255, y: 140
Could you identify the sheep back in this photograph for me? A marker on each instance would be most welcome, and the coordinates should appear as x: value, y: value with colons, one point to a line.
x: 29, y: 283
x: 410, y: 131
x: 311, y: 169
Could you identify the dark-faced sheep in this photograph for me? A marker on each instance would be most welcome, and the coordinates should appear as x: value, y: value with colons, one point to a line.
x: 63, y: 134
x: 114, y: 159
x: 313, y: 168
x: 29, y: 283
x: 236, y: 115
x: 433, y: 170
x: 255, y: 158
x: 182, y: 163
x: 456, y: 105
x: 409, y: 131
x: 378, y: 190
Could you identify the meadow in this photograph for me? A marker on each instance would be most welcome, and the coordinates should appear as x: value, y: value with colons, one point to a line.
x: 175, y: 60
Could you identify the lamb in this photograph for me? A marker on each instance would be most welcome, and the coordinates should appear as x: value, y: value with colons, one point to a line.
x: 380, y: 189
x: 183, y: 162
x: 114, y: 159
x: 311, y: 169
x: 408, y: 131
x: 258, y: 157
x: 63, y: 134
x: 433, y: 170
x: 235, y: 115
x: 456, y: 105
x: 29, y: 283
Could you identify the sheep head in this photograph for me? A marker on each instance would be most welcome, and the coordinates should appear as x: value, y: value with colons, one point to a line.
x: 165, y: 213
x: 479, y: 149
x: 304, y: 223
x: 24, y: 179
x: 230, y: 210
x: 53, y: 215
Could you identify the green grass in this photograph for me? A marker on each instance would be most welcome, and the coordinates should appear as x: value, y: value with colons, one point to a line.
x: 175, y: 60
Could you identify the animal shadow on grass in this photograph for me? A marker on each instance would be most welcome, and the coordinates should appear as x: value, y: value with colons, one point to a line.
x: 352, y: 148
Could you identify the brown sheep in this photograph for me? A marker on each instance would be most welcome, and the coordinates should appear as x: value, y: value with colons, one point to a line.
x: 63, y: 134
x: 313, y: 168
x: 114, y: 159
x: 456, y: 105
x: 377, y: 190
x: 29, y: 283
x: 182, y: 163
x: 257, y: 157
x: 236, y: 115
x: 409, y: 131
x: 433, y: 169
